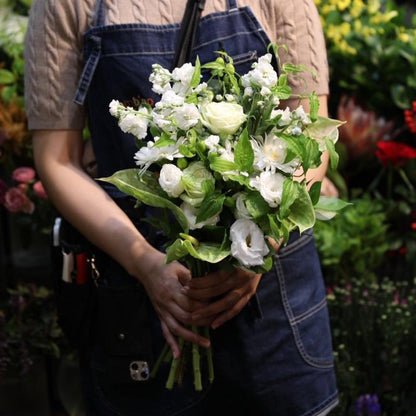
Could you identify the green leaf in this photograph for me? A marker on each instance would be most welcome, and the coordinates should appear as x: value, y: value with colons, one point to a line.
x: 333, y: 155
x: 196, y: 77
x: 211, y: 206
x: 176, y: 251
x: 315, y: 192
x: 146, y: 189
x: 283, y: 92
x: 302, y: 213
x: 327, y: 203
x: 314, y: 106
x: 290, y: 193
x: 6, y: 77
x: 164, y: 141
x: 219, y: 164
x: 186, y: 151
x: 256, y: 205
x: 243, y: 153
x: 323, y: 127
x: 209, y: 252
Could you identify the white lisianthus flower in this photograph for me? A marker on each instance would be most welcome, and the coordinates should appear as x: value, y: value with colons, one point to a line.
x: 186, y: 116
x: 191, y: 213
x: 300, y: 114
x: 160, y: 78
x: 270, y: 154
x: 223, y: 117
x: 247, y: 243
x: 170, y: 180
x: 263, y: 74
x: 135, y: 123
x: 286, y: 116
x: 193, y: 178
x: 241, y: 209
x: 270, y: 186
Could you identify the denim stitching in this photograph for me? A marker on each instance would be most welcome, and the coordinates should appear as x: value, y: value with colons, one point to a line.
x: 325, y: 406
x: 310, y: 312
x: 295, y: 330
x: 300, y: 242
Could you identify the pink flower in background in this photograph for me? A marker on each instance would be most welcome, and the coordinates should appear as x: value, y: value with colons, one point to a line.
x: 39, y: 190
x: 23, y: 174
x: 15, y: 200
x: 363, y: 129
x: 3, y: 190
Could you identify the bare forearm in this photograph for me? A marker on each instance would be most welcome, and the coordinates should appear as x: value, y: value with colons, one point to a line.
x: 85, y: 204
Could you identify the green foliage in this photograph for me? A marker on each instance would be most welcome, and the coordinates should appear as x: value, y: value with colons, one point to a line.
x: 372, y: 53
x: 374, y: 333
x: 28, y: 328
x: 353, y: 244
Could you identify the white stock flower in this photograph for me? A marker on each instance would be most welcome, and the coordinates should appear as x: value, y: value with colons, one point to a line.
x: 182, y: 77
x: 270, y: 186
x: 247, y: 243
x: 248, y: 91
x: 222, y: 117
x: 286, y: 116
x: 186, y: 116
x: 296, y: 131
x: 262, y: 74
x: 270, y: 154
x: 150, y: 154
x: 160, y: 78
x: 212, y: 142
x: 170, y: 180
x: 135, y: 123
x: 265, y: 91
x: 114, y: 107
x: 240, y: 205
x: 170, y: 98
x: 191, y: 213
x: 300, y: 114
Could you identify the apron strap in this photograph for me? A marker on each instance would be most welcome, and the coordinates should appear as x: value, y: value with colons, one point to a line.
x: 232, y: 4
x: 99, y: 15
x: 188, y: 31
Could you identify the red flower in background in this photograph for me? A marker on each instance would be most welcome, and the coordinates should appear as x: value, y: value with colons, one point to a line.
x: 393, y: 153
x: 410, y: 118
x: 23, y: 174
x: 15, y: 200
x: 363, y: 128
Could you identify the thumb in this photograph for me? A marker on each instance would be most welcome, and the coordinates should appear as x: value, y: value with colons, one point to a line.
x: 184, y: 275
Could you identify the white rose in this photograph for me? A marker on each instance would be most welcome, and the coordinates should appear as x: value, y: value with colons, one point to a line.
x: 247, y: 243
x: 191, y: 213
x: 270, y: 186
x: 170, y: 180
x: 223, y: 117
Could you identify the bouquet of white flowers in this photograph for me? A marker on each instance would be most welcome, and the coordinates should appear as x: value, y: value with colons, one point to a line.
x: 232, y: 164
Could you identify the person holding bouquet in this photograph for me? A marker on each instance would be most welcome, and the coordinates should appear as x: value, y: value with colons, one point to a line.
x: 270, y: 333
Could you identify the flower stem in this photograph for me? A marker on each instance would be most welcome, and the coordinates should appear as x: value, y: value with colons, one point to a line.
x: 161, y: 358
x: 173, y: 368
x: 209, y: 356
x: 196, y: 363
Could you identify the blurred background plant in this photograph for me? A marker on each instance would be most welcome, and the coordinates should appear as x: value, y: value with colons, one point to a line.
x: 374, y: 333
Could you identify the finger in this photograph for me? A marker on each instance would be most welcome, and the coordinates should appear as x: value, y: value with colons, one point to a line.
x: 217, y: 307
x: 184, y: 275
x: 188, y: 335
x: 230, y: 314
x: 170, y: 339
x: 204, y: 294
x: 209, y: 280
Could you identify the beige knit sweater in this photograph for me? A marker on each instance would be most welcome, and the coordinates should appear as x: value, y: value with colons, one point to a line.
x: 54, y: 46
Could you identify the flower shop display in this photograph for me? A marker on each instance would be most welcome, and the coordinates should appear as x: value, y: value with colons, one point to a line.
x: 231, y: 165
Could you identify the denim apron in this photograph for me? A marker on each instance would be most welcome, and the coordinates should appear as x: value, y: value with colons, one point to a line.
x: 273, y: 359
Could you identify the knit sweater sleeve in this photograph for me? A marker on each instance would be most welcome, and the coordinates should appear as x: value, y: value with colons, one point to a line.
x: 53, y: 63
x: 297, y: 25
